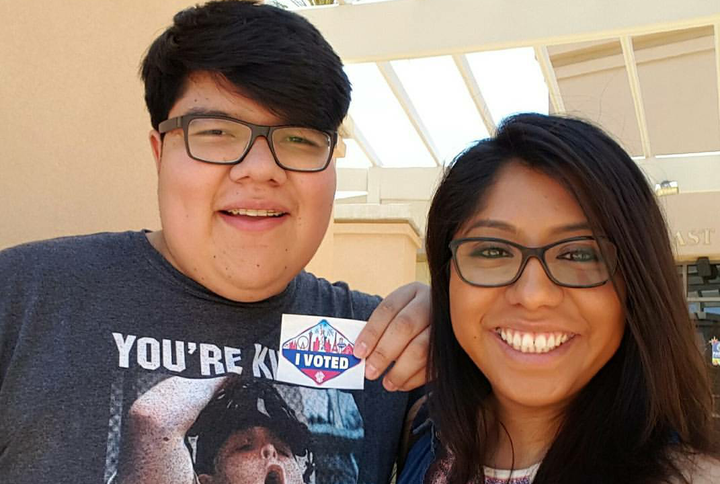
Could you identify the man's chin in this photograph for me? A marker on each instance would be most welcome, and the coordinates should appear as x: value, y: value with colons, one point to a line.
x: 250, y: 286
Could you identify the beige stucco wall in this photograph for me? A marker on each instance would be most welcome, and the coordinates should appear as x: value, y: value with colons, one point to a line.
x: 75, y: 157
x: 374, y: 257
x: 377, y: 257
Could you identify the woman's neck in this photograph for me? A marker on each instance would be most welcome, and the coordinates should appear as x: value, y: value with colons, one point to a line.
x: 522, y: 435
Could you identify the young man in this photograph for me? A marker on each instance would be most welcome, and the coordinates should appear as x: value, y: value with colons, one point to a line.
x: 244, y: 101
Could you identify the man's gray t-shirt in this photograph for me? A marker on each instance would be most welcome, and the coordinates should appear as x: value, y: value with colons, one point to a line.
x: 89, y: 324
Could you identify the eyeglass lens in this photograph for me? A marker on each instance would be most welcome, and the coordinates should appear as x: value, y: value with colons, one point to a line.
x: 225, y: 141
x: 574, y: 263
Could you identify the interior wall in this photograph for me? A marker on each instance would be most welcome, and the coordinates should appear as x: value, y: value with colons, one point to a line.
x: 694, y: 225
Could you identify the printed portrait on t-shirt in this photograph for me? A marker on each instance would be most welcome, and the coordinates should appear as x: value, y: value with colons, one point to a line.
x: 203, y: 413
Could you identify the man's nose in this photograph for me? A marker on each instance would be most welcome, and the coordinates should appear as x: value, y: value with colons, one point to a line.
x: 259, y: 164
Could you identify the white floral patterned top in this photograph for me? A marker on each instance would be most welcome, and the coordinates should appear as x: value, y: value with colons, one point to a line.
x: 504, y: 476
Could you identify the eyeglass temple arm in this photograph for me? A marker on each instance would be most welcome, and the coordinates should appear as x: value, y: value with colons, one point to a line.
x: 170, y: 124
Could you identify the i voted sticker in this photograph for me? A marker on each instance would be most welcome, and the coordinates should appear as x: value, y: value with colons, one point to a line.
x: 317, y: 351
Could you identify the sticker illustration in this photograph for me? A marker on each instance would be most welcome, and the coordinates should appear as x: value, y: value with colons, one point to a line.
x: 318, y: 352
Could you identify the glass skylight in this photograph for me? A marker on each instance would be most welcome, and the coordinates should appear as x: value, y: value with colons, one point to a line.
x: 443, y: 102
x: 292, y: 4
x: 295, y: 4
x: 384, y: 124
x: 354, y: 156
x: 511, y: 81
x: 368, y: 1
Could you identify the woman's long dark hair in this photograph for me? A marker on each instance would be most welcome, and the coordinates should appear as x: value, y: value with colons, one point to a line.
x: 651, y: 403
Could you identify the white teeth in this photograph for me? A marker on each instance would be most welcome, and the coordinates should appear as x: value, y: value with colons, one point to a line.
x: 533, y: 342
x: 527, y: 343
x: 255, y: 213
x: 540, y: 343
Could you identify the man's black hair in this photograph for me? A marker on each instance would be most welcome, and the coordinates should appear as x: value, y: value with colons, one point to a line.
x: 271, y: 55
x: 244, y: 404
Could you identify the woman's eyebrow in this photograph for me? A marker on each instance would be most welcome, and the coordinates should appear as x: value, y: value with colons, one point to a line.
x: 507, y: 227
x: 493, y: 224
x: 575, y: 227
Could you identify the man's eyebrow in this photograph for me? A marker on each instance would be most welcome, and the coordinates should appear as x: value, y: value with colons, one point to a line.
x: 207, y: 112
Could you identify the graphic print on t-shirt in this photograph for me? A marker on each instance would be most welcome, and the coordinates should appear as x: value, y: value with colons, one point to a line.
x: 185, y: 411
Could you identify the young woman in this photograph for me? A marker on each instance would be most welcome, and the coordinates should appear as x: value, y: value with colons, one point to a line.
x: 562, y: 350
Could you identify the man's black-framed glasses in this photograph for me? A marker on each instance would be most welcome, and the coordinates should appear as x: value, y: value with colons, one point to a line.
x: 577, y: 262
x: 225, y: 140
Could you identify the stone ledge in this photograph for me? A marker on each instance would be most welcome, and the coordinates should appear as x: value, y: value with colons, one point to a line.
x: 378, y: 214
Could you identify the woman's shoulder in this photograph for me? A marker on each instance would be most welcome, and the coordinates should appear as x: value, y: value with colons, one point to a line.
x: 699, y: 468
x: 417, y: 452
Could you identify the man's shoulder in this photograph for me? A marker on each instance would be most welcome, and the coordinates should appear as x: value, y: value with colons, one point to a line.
x: 337, y: 297
x: 339, y: 288
x: 63, y: 253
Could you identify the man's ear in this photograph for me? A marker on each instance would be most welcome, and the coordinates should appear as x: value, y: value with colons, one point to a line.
x: 156, y: 146
x: 205, y: 479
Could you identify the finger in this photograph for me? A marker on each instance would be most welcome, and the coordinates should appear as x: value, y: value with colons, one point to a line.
x: 409, y: 370
x: 415, y: 381
x: 418, y: 379
x: 381, y: 318
x: 395, y: 341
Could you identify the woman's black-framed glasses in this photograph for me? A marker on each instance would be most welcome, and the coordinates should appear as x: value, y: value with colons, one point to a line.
x: 226, y: 141
x: 577, y: 262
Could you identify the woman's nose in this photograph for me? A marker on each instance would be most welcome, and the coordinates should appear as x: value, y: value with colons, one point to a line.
x: 534, y: 289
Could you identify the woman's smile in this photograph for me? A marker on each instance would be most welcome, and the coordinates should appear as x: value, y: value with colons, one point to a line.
x: 529, y: 342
